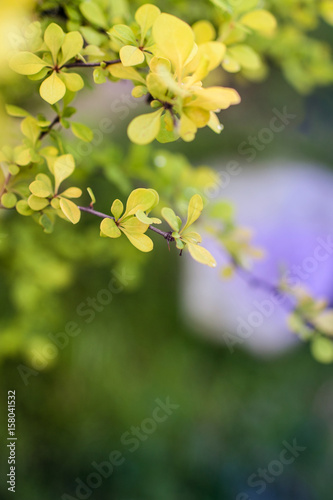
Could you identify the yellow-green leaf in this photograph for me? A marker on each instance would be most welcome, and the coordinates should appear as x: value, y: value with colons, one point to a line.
x: 30, y: 129
x: 73, y: 81
x: 53, y: 37
x: 201, y: 255
x: 326, y: 10
x: 23, y: 208
x: 40, y: 189
x: 72, y: 192
x: 147, y: 220
x: 125, y: 73
x: 82, y: 131
x: 93, y: 13
x: 63, y: 167
x: 144, y: 128
x: 117, y: 209
x: 246, y: 56
x: 139, y: 199
x: 172, y: 219
x: 131, y: 56
x: 141, y: 241
x: 36, y: 203
x: 133, y: 225
x: 16, y: 111
x: 145, y: 16
x: 109, y: 228
x: 70, y: 210
x: 195, y: 208
x: 52, y: 89
x: 8, y: 200
x: 71, y: 46
x: 174, y: 39
x: 26, y: 63
x: 260, y: 20
x: 204, y: 32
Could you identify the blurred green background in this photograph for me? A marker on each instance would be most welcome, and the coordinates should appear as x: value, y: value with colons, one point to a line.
x: 234, y: 411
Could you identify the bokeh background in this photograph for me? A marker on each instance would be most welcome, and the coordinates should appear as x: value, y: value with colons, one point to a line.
x: 235, y: 409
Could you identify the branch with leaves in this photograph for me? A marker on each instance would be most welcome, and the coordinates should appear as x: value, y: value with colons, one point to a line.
x: 167, y: 61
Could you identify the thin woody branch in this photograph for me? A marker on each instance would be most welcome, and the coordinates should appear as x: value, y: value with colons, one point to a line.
x: 80, y: 64
x: 166, y: 235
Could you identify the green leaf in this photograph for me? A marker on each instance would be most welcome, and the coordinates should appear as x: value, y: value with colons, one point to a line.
x: 117, y: 209
x: 71, y: 46
x: 100, y: 75
x: 131, y: 56
x: 82, y: 131
x: 172, y: 219
x: 139, y: 199
x: 94, y: 14
x: 26, y: 63
x: 201, y: 255
x: 123, y: 34
x: 70, y: 210
x: 144, y: 128
x: 63, y: 167
x: 54, y: 37
x: 73, y: 81
x: 110, y: 229
x: 16, y: 111
x: 147, y: 220
x: 52, y: 89
x: 195, y: 208
x: 8, y: 200
x: 46, y: 223
x: 23, y: 208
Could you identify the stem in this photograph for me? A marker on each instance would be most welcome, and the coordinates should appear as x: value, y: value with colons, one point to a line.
x: 48, y: 130
x: 165, y: 235
x: 80, y: 64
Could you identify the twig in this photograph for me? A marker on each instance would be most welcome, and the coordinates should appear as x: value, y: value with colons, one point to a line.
x: 168, y: 236
x: 50, y: 127
x: 80, y: 64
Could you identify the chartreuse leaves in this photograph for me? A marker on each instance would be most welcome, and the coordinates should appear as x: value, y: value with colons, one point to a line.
x: 175, y: 83
x: 58, y: 49
x: 145, y: 128
x: 134, y: 50
x: 175, y: 40
x: 52, y: 89
x: 189, y: 239
x: 140, y: 200
x: 45, y: 194
x: 26, y: 63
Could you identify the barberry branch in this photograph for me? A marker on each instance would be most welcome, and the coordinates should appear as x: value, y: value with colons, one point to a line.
x: 166, y: 235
